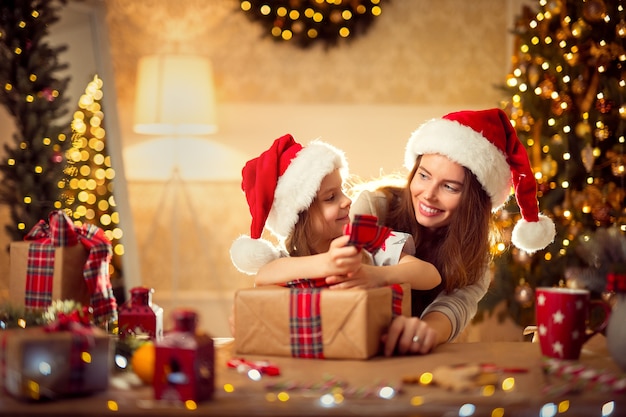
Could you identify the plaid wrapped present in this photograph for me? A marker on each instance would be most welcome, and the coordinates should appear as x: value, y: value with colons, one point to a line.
x: 316, y: 322
x: 58, y: 260
x: 60, y: 360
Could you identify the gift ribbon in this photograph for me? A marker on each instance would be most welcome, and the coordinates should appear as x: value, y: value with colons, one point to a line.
x: 305, y: 323
x: 60, y: 231
x: 365, y: 233
x: 305, y: 320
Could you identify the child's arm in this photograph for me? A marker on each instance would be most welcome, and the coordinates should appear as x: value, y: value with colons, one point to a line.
x: 339, y: 260
x: 420, y: 275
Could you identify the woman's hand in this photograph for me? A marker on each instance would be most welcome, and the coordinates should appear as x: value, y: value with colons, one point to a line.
x: 364, y: 277
x: 409, y: 336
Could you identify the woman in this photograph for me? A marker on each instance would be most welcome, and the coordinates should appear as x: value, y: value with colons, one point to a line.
x: 462, y: 168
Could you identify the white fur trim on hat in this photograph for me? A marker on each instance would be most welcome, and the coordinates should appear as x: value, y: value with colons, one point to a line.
x: 466, y: 147
x: 533, y: 236
x: 299, y: 184
x: 249, y: 255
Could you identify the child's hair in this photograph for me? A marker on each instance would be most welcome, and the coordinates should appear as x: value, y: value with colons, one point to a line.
x: 302, y: 240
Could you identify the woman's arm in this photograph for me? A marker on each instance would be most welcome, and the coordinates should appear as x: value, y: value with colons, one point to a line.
x: 459, y: 307
x: 339, y: 260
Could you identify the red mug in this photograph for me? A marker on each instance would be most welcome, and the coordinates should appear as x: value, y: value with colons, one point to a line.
x: 563, y: 320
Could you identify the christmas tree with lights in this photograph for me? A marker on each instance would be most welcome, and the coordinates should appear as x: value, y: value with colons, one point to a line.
x: 568, y: 105
x: 88, y: 185
x: 33, y: 94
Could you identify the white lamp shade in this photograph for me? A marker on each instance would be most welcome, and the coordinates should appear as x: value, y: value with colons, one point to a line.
x: 175, y: 96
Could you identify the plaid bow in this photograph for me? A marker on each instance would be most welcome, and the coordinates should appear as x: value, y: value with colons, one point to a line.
x: 60, y: 231
x: 365, y: 233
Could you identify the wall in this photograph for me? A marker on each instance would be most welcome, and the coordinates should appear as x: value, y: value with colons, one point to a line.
x: 419, y: 60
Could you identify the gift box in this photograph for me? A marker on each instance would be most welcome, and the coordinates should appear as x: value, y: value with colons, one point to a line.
x: 38, y: 364
x: 58, y: 260
x: 316, y: 322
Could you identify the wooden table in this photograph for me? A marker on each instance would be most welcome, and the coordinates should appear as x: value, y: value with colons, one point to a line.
x: 252, y: 398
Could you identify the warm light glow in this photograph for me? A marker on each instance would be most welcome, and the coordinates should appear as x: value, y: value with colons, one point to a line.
x: 175, y: 95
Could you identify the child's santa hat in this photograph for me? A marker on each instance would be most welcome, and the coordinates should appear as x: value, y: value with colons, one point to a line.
x: 485, y: 142
x: 280, y: 184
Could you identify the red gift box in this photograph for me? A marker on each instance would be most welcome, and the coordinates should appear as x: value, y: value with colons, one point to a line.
x: 59, y: 260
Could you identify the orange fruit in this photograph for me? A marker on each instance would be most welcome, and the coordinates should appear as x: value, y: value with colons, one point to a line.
x: 142, y: 362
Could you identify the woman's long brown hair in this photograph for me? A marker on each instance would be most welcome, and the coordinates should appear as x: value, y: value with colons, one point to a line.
x: 459, y: 251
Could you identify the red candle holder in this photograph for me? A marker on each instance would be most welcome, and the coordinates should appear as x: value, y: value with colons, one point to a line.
x: 139, y: 317
x: 184, y: 362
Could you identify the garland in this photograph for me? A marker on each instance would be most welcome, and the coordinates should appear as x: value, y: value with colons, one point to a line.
x: 306, y: 22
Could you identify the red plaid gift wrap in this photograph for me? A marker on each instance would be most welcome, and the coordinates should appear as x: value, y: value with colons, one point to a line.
x: 38, y: 364
x: 316, y: 322
x: 60, y: 261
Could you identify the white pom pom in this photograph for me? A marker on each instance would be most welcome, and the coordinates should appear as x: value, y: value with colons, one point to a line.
x: 533, y: 236
x: 248, y: 255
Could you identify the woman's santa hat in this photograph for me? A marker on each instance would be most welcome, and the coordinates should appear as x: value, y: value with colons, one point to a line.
x: 280, y: 184
x: 485, y: 142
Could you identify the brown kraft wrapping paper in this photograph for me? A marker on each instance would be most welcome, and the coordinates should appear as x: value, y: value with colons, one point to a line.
x: 68, y: 282
x: 352, y: 321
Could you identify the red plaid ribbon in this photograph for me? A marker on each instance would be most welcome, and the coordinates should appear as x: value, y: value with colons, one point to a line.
x: 307, y: 283
x: 616, y: 282
x: 397, y: 294
x: 305, y: 320
x: 365, y: 233
x: 60, y: 231
x: 305, y: 323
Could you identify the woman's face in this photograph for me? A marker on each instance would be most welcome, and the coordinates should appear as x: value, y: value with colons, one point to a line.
x: 334, y: 207
x: 436, y: 190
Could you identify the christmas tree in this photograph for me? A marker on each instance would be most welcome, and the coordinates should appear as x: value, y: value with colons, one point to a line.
x: 33, y: 94
x: 88, y: 184
x: 567, y: 104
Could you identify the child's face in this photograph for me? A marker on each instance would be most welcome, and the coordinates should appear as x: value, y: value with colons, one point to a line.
x: 334, y: 209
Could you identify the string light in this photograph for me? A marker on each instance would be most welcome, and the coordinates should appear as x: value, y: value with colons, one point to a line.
x: 306, y: 22
x: 88, y: 186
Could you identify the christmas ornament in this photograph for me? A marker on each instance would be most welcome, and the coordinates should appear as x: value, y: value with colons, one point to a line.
x: 524, y: 294
x: 594, y: 10
x: 588, y: 159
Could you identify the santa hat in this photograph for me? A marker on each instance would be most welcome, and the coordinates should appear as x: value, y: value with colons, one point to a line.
x: 485, y: 142
x: 280, y: 184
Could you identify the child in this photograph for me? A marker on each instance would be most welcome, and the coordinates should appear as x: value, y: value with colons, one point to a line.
x: 296, y: 193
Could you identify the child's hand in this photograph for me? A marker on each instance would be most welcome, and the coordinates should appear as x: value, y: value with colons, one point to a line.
x: 342, y: 259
